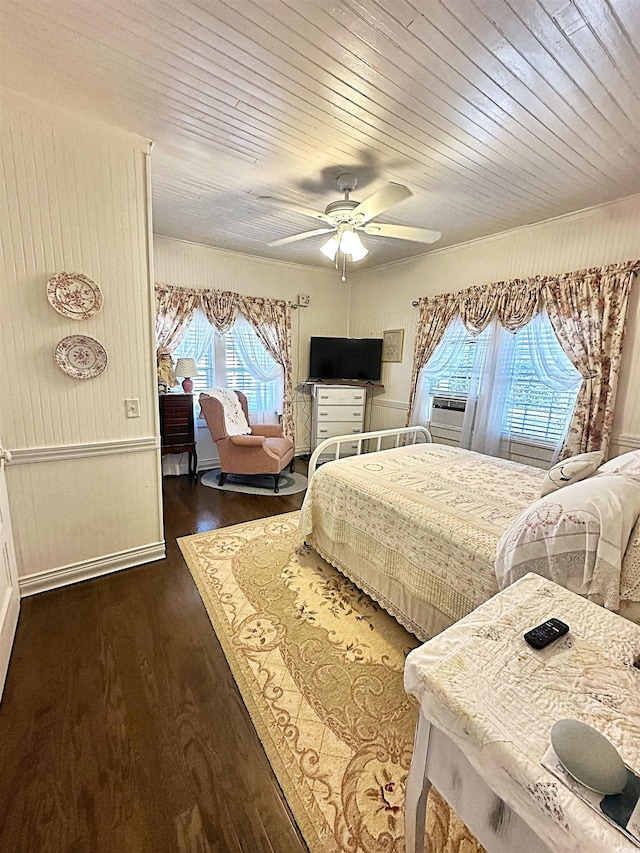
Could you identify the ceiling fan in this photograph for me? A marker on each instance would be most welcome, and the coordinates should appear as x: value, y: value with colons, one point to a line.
x: 346, y: 217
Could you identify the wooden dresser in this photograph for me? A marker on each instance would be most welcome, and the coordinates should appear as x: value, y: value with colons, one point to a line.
x: 177, y: 432
x: 337, y: 410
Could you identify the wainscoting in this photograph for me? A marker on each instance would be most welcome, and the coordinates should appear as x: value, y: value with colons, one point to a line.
x: 103, y: 516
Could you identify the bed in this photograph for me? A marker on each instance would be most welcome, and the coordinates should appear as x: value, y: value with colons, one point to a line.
x: 417, y: 529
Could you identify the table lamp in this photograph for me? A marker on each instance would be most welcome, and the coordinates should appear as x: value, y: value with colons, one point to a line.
x: 186, y: 367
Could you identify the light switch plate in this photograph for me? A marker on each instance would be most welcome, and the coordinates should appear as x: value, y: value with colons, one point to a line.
x: 132, y: 408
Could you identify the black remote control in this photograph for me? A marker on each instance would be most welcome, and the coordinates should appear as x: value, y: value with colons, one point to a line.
x: 542, y: 635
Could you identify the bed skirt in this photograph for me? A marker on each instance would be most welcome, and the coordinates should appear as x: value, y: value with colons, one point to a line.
x: 421, y: 618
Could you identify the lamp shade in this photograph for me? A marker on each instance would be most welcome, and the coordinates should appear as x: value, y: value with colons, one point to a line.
x: 351, y: 244
x: 186, y: 367
x: 330, y: 248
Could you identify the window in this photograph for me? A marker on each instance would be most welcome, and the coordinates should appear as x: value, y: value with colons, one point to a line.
x: 533, y: 410
x: 458, y: 380
x: 235, y: 360
x: 523, y: 386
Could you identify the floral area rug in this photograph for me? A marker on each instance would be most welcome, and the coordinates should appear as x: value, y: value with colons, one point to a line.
x: 320, y: 669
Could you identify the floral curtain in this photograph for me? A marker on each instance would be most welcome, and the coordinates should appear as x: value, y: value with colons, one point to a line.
x: 220, y: 308
x: 436, y: 312
x: 477, y: 306
x: 517, y: 303
x: 270, y: 318
x: 587, y: 310
x: 175, y: 307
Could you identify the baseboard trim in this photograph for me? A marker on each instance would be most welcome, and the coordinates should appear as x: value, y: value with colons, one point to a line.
x: 32, y: 455
x: 76, y: 572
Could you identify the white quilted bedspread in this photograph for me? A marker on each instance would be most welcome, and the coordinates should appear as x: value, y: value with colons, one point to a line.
x: 428, y: 515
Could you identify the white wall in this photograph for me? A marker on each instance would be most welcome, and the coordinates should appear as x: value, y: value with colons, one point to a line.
x: 193, y: 265
x: 381, y: 299
x: 84, y: 480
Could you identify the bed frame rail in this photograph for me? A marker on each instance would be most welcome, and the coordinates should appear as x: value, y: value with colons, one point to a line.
x: 411, y: 435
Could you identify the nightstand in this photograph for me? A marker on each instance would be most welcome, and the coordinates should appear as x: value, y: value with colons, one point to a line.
x: 177, y: 433
x: 488, y: 702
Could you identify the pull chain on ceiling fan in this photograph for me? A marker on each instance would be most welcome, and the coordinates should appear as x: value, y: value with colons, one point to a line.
x: 346, y: 217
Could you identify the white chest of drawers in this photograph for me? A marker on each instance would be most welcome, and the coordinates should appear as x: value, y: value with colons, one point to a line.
x: 337, y: 410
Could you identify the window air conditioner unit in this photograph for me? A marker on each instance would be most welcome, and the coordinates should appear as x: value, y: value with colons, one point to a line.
x: 447, y: 415
x: 453, y: 404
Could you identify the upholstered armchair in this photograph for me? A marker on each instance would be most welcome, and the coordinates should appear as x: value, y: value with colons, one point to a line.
x: 264, y: 451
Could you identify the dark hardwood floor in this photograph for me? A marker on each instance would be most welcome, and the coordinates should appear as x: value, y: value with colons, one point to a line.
x: 121, y: 727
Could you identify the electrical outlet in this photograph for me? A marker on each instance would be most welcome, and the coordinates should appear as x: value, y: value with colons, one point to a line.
x: 132, y: 408
x: 303, y: 300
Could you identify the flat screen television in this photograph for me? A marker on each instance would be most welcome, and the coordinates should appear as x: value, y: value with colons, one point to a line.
x: 346, y: 358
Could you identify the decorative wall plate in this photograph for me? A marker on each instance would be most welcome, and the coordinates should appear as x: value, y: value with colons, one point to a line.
x: 80, y: 357
x: 74, y: 295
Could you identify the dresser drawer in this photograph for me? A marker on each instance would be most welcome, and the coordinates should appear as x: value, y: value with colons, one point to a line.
x: 340, y: 396
x: 174, y: 432
x: 340, y: 413
x: 171, y: 419
x: 329, y: 429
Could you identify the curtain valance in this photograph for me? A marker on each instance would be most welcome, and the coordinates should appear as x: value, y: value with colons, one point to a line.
x: 270, y: 319
x: 587, y: 309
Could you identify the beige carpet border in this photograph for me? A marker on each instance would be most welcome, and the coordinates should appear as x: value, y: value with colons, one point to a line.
x: 237, y: 667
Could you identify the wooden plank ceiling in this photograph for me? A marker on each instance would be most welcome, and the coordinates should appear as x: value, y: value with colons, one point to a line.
x: 495, y: 113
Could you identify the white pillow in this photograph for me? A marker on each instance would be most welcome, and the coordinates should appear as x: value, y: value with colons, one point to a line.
x: 576, y: 537
x: 571, y: 471
x: 628, y: 463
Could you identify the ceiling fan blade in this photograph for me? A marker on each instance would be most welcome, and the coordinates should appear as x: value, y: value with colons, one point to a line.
x: 295, y: 237
x: 379, y: 201
x: 402, y: 232
x: 295, y: 208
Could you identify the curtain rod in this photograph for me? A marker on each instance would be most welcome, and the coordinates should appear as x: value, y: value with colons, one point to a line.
x: 415, y: 303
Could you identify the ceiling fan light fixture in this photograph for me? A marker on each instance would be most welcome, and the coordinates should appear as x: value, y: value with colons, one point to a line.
x: 351, y: 244
x: 347, y: 217
x: 330, y: 248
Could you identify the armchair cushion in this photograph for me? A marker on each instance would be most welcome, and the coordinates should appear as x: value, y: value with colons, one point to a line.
x: 247, y: 440
x: 281, y: 448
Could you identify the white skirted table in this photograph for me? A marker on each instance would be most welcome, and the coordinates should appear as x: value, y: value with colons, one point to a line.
x: 487, y: 705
